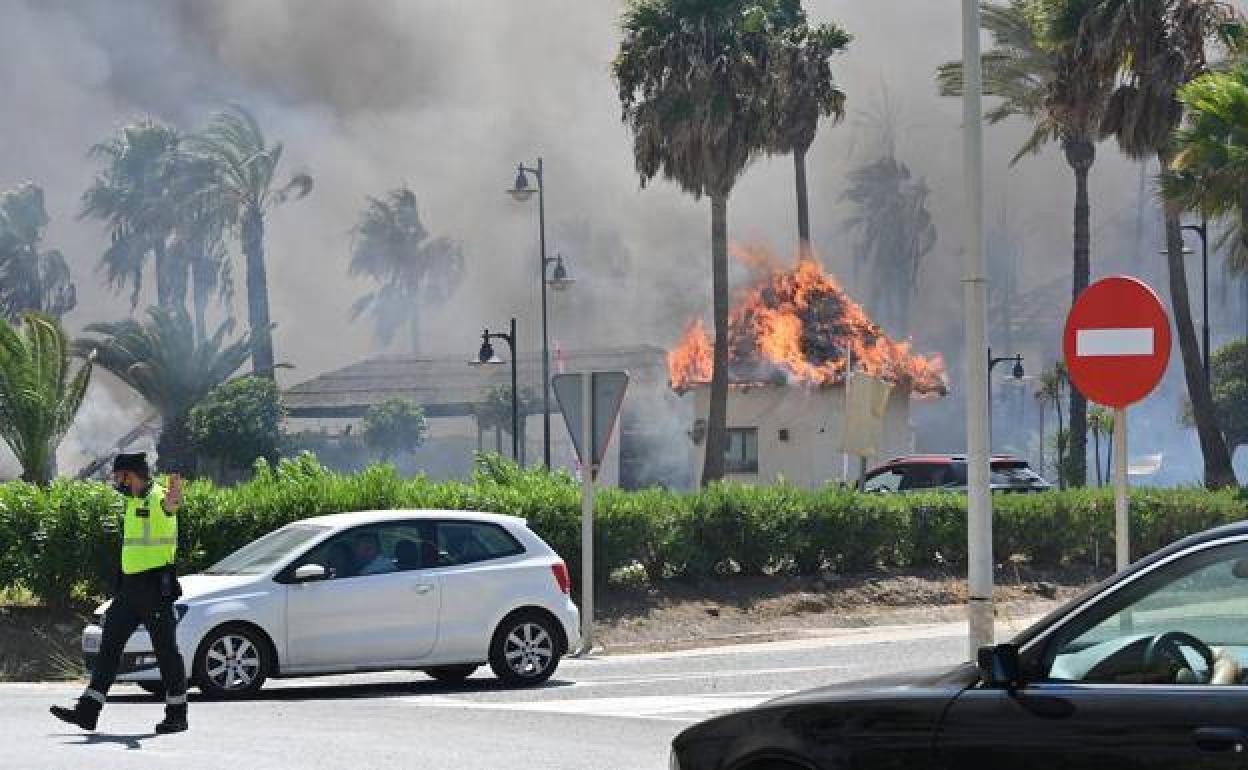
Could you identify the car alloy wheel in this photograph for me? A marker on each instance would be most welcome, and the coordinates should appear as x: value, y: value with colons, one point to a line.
x: 232, y: 662
x: 524, y: 650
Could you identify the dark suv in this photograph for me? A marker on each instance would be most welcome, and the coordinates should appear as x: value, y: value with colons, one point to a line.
x: 915, y: 473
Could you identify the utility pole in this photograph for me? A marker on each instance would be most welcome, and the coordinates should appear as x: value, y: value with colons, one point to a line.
x: 975, y: 301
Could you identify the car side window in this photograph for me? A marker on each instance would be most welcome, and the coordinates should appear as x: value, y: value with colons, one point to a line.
x: 885, y: 481
x: 376, y: 549
x: 467, y: 542
x: 1185, y: 623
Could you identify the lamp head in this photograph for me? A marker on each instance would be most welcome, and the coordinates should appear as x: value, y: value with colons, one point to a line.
x: 521, y: 191
x: 559, y: 279
x: 1018, y: 367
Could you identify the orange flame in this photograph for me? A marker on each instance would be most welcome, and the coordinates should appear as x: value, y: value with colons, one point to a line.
x: 795, y: 325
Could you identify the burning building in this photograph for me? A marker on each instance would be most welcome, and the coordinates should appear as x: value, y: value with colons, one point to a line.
x: 793, y: 334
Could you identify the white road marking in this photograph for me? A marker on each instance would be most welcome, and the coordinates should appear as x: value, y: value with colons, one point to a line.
x: 1114, y: 342
x: 672, y: 708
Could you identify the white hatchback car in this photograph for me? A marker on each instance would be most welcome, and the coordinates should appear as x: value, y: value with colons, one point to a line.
x: 443, y: 592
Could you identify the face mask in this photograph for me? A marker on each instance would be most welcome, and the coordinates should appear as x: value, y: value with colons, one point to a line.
x: 122, y: 488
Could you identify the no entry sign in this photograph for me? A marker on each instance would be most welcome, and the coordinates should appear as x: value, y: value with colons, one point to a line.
x: 1117, y: 341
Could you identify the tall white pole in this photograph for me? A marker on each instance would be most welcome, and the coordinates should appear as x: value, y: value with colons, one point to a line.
x: 975, y: 290
x: 1122, y: 533
x: 587, y: 513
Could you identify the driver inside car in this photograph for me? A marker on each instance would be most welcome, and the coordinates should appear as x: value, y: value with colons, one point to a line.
x: 1226, y: 670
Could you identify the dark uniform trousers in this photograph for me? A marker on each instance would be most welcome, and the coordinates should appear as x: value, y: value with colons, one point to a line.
x: 146, y: 598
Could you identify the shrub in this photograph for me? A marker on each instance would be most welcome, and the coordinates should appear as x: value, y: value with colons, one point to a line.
x: 63, y: 539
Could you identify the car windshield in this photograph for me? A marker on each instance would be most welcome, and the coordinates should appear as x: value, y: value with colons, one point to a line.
x: 262, y: 555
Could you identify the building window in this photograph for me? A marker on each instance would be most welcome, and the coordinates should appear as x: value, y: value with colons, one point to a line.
x: 741, y: 455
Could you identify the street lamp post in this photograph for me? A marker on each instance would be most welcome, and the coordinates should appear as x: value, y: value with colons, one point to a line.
x: 486, y: 355
x: 522, y: 192
x: 1202, y: 230
x: 1018, y: 374
x: 975, y: 306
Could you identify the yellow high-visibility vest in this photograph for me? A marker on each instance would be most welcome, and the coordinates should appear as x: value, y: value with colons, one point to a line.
x: 149, y: 533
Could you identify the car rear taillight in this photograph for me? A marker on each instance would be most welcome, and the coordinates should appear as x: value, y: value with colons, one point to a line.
x: 561, y: 576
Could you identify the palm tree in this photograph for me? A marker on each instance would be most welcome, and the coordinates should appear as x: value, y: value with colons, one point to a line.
x: 198, y: 238
x: 894, y: 231
x: 245, y: 187
x: 1053, y: 391
x: 1158, y: 46
x: 38, y: 396
x: 1038, y: 72
x: 1210, y: 168
x: 697, y: 94
x: 167, y: 365
x: 1101, y: 423
x: 30, y: 278
x: 393, y: 248
x: 132, y: 194
x: 807, y: 93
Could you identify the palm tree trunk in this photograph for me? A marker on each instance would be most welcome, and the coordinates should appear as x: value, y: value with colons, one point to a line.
x: 1109, y: 449
x: 1218, y: 470
x: 803, y: 205
x: 1096, y: 453
x: 201, y: 286
x: 257, y: 293
x: 164, y: 275
x: 717, y: 416
x: 413, y: 328
x: 1080, y: 154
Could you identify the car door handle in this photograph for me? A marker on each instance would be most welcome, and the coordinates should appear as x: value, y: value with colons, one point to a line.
x: 422, y: 588
x: 1219, y: 739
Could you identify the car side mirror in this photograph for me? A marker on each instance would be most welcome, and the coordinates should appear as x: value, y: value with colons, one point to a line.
x: 310, y: 572
x: 999, y: 667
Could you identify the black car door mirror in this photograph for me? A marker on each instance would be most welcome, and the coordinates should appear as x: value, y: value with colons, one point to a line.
x: 999, y: 667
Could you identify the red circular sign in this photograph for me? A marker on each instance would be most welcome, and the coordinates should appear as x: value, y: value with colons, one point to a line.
x: 1117, y: 341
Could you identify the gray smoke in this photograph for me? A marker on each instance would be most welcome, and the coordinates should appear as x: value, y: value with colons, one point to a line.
x: 446, y: 96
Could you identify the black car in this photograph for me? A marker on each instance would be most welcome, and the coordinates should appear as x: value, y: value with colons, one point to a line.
x: 1147, y: 670
x: 928, y: 473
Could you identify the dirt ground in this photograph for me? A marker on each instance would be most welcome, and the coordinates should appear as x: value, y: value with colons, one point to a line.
x: 37, y: 643
x: 682, y: 616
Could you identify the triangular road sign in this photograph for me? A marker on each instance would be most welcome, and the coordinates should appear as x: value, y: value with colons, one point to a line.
x: 607, y: 394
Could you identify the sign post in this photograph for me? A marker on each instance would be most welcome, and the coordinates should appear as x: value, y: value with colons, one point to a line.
x: 1117, y: 346
x: 590, y: 402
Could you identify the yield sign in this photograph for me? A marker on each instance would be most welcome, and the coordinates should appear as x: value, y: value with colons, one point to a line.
x: 1117, y: 341
x: 606, y: 394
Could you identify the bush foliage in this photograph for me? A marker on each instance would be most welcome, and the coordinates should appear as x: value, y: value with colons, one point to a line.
x: 63, y: 541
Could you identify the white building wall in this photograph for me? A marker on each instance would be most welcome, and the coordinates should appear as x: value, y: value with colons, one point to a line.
x: 811, y: 454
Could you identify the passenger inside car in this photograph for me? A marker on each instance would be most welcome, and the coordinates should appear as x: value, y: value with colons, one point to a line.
x: 368, y: 556
x: 339, y: 561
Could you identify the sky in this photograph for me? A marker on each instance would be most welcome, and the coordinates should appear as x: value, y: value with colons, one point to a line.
x: 446, y: 97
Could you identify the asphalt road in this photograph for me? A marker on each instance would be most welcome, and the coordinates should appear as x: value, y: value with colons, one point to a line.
x: 610, y: 712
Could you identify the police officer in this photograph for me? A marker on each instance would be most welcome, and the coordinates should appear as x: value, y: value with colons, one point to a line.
x: 146, y: 591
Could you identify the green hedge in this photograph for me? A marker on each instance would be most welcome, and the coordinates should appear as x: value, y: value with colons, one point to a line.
x: 63, y: 540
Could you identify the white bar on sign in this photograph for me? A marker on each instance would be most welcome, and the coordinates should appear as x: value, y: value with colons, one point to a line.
x: 1114, y: 342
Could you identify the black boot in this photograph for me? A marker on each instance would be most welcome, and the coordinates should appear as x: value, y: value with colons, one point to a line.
x: 174, y: 721
x: 84, y: 714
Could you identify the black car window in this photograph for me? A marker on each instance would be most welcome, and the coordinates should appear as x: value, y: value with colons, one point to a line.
x: 1185, y: 623
x: 375, y: 549
x: 466, y: 542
